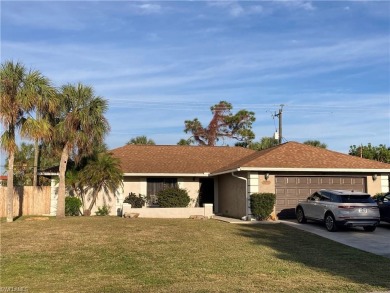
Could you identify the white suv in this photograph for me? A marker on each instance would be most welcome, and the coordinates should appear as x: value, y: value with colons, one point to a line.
x: 339, y: 208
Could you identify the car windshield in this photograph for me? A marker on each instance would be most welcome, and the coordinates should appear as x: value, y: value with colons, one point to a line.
x: 353, y: 198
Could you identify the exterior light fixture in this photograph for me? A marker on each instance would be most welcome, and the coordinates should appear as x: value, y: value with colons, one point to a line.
x: 374, y: 177
x: 266, y: 176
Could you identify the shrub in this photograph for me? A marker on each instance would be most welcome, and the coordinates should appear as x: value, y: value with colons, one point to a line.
x: 134, y: 200
x: 262, y: 204
x: 72, y: 206
x: 103, y: 211
x: 378, y: 195
x: 172, y: 198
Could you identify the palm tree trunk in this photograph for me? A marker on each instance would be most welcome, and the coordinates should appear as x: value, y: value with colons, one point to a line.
x: 61, y: 188
x: 36, y: 156
x: 94, y: 196
x: 10, y: 187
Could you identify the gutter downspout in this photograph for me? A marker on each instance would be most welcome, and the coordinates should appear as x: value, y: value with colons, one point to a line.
x: 246, y: 192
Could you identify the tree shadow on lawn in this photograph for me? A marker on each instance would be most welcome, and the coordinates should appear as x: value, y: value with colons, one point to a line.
x: 321, y: 254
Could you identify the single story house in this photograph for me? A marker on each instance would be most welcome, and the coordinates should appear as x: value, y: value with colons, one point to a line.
x: 226, y: 176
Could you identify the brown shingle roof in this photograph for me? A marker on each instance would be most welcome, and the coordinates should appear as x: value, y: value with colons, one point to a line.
x: 295, y: 155
x: 171, y: 159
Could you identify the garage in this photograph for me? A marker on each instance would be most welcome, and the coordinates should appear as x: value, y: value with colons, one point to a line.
x: 290, y: 189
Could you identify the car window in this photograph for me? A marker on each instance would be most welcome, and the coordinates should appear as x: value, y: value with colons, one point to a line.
x: 334, y: 197
x: 353, y: 198
x: 386, y: 198
x: 325, y: 198
x: 316, y: 196
x: 328, y: 196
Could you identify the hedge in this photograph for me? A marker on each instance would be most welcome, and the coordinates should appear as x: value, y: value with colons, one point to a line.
x: 134, y: 200
x: 173, y: 198
x: 262, y: 204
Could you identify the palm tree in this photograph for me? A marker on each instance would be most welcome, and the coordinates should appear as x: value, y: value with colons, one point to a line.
x: 141, y: 140
x: 264, y: 143
x: 102, y: 173
x: 19, y: 90
x: 316, y: 143
x: 81, y: 125
x: 23, y: 160
x: 185, y: 141
x: 46, y: 103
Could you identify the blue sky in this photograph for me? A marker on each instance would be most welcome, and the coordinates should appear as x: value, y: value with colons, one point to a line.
x: 160, y: 63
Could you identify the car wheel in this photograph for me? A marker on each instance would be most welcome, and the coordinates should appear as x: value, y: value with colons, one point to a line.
x: 301, y: 216
x: 369, y: 228
x: 330, y: 223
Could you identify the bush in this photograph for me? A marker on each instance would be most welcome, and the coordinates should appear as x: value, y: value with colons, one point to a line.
x: 134, y: 200
x: 103, y: 211
x: 378, y: 195
x: 173, y: 198
x: 262, y: 204
x: 72, y: 206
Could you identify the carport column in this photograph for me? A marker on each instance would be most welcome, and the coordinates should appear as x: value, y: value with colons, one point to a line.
x: 253, y: 187
x: 119, y: 200
x: 53, y: 196
x: 385, y: 183
x: 143, y: 187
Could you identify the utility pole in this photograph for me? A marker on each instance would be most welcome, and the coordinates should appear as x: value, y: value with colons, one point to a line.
x: 279, y: 115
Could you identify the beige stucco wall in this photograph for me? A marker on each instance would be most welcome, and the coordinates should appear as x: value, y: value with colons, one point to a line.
x: 374, y: 186
x: 206, y: 211
x: 138, y: 185
x: 231, y: 195
x: 103, y: 199
x: 133, y: 184
x: 114, y: 201
x: 192, y: 186
x: 266, y: 185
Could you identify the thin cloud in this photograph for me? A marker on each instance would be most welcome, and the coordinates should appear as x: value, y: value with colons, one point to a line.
x: 297, y: 4
x: 160, y: 63
x: 236, y: 8
x: 147, y: 8
x: 31, y: 15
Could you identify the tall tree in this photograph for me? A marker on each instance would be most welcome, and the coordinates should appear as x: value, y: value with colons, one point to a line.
x: 224, y: 124
x: 185, y: 141
x: 264, y: 143
x: 23, y: 165
x: 81, y: 125
x: 102, y: 173
x: 19, y: 90
x: 46, y: 104
x: 141, y: 140
x: 379, y: 153
x: 316, y: 143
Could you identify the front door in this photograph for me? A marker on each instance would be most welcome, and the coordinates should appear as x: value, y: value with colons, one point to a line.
x: 206, y: 191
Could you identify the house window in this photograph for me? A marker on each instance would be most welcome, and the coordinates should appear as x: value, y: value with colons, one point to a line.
x: 155, y: 185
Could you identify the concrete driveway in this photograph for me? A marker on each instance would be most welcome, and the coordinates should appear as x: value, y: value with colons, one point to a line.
x: 377, y: 242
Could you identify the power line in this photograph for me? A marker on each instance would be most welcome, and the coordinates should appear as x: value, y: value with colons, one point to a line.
x: 203, y: 106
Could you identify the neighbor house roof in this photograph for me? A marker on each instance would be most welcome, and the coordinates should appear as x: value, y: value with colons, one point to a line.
x: 171, y: 159
x: 293, y: 155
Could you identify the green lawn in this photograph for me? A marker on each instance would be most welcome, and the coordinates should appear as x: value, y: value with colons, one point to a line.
x: 111, y: 254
